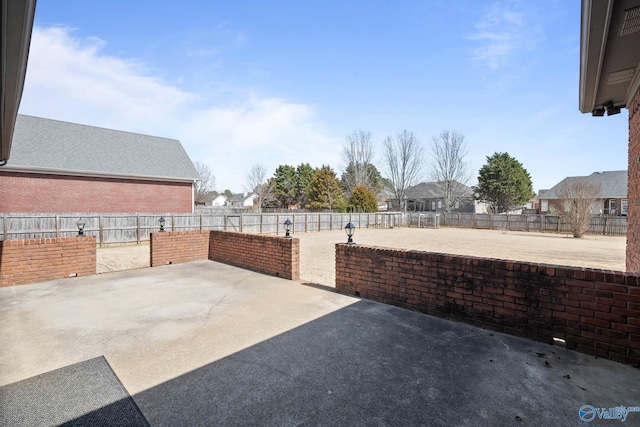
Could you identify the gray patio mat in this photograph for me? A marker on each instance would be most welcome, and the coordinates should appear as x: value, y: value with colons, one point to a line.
x: 84, y: 394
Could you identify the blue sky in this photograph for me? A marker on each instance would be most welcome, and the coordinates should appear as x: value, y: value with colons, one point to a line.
x: 284, y: 82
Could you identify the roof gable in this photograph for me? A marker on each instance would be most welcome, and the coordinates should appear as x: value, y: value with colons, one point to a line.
x: 44, y: 145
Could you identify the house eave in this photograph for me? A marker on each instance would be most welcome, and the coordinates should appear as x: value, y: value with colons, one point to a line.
x: 16, y: 25
x: 609, y: 55
x: 595, y: 21
x: 89, y: 174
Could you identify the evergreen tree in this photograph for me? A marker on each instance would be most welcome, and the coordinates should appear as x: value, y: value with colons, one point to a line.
x: 363, y: 199
x: 504, y: 183
x: 285, y: 186
x: 325, y: 191
x: 304, y: 175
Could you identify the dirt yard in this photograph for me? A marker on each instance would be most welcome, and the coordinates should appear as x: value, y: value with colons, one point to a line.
x: 317, y: 258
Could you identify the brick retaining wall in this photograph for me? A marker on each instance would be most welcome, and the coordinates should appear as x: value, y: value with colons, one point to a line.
x: 272, y: 255
x: 175, y: 247
x: 40, y: 260
x: 277, y: 256
x: 594, y: 311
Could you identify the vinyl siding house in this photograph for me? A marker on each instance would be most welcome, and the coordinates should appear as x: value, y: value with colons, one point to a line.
x: 613, y: 191
x: 58, y: 166
x: 242, y: 200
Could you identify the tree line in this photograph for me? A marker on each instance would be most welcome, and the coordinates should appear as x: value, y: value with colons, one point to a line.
x: 503, y: 182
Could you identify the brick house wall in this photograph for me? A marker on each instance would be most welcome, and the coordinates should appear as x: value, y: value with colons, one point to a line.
x: 594, y: 311
x: 633, y: 187
x: 277, y: 256
x: 40, y: 260
x: 175, y: 247
x: 27, y: 192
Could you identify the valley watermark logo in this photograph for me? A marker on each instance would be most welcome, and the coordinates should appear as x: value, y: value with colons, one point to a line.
x: 588, y: 413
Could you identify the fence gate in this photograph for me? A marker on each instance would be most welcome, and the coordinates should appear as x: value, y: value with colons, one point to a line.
x: 233, y: 222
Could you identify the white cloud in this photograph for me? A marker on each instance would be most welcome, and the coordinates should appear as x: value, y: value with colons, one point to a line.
x: 71, y: 79
x: 502, y: 31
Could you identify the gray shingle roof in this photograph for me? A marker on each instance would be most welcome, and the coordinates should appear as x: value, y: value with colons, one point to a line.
x: 50, y: 145
x: 432, y: 190
x: 613, y: 184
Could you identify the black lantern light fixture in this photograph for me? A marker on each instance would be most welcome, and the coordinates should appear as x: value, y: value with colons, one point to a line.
x: 80, y: 224
x: 350, y: 228
x: 162, y: 222
x: 287, y: 228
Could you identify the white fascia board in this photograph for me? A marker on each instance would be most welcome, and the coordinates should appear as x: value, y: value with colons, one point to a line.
x: 594, y: 29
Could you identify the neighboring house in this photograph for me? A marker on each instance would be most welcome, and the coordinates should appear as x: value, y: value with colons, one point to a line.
x: 385, y: 200
x: 218, y: 201
x: 613, y: 192
x: 207, y: 199
x: 429, y: 197
x: 242, y: 200
x: 58, y: 166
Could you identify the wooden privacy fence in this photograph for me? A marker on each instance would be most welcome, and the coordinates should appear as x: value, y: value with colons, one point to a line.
x: 600, y: 225
x: 135, y: 228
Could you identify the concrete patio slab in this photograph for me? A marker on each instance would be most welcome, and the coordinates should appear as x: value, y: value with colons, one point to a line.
x: 208, y: 344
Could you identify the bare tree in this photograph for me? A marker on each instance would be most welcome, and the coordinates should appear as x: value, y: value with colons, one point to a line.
x: 206, y: 184
x: 258, y: 183
x: 403, y: 161
x: 357, y: 155
x: 449, y: 167
x: 576, y: 200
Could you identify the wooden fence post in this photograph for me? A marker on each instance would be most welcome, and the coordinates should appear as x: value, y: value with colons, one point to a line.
x: 138, y: 228
x: 241, y: 216
x: 101, y: 232
x: 57, y: 225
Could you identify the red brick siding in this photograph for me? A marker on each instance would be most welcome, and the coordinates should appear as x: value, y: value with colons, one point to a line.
x: 40, y: 260
x: 277, y: 256
x: 595, y: 311
x: 633, y: 187
x: 176, y: 247
x: 23, y: 192
x: 272, y: 255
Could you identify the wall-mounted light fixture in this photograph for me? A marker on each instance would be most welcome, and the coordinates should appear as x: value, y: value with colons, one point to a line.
x: 607, y: 107
x: 162, y: 222
x: 349, y: 229
x: 287, y: 228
